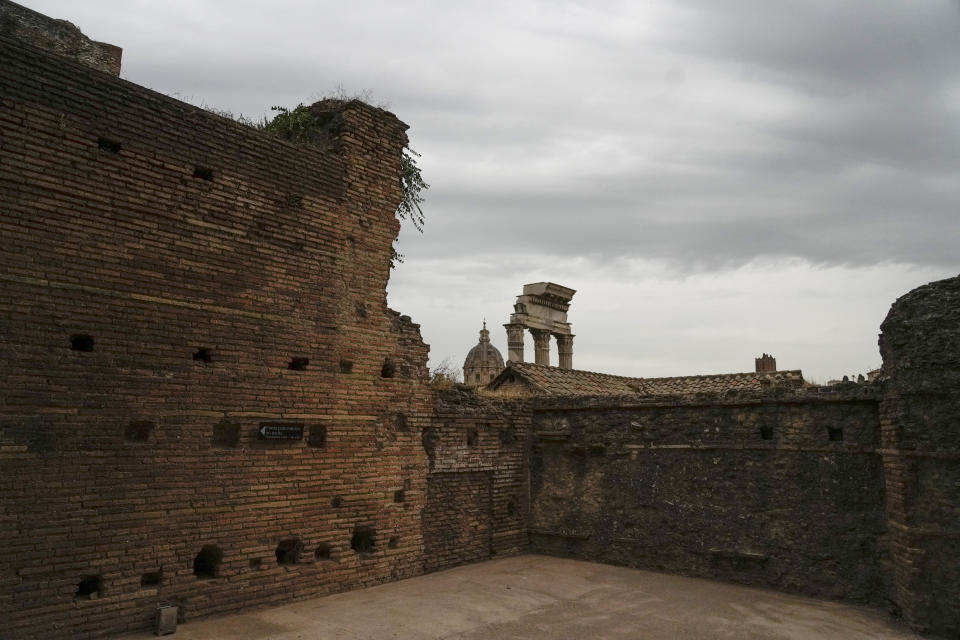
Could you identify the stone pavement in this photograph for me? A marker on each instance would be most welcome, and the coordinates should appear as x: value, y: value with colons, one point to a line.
x: 533, y: 597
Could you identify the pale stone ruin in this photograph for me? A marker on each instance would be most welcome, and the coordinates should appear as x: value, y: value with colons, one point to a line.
x: 542, y: 308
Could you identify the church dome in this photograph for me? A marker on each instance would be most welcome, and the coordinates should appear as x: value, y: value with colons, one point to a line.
x: 483, y: 362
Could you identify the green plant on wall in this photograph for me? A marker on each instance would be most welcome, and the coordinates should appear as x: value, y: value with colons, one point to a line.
x: 301, y: 124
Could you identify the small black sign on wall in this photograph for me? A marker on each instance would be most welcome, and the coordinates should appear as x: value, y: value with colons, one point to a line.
x: 281, y: 431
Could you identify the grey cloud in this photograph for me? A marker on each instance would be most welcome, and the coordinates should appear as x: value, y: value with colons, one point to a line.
x: 833, y: 47
x: 702, y: 133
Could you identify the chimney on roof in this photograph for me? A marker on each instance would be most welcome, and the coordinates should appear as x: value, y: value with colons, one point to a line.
x: 766, y: 364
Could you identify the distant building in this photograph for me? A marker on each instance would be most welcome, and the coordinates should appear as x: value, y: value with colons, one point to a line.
x: 483, y: 363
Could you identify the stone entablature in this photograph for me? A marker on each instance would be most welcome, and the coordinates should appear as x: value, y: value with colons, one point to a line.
x: 542, y: 309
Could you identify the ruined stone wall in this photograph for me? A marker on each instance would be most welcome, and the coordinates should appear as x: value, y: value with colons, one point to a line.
x: 920, y: 416
x: 57, y: 36
x: 171, y: 283
x: 780, y: 490
x: 477, y: 490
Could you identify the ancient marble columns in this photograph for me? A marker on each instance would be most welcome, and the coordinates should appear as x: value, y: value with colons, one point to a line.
x: 542, y: 309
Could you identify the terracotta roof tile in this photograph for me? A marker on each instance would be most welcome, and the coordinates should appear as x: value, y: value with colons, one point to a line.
x: 554, y: 381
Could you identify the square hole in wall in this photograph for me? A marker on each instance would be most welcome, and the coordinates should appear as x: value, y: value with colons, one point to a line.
x: 399, y: 495
x: 388, y: 370
x: 289, y: 550
x: 226, y: 434
x: 204, y: 173
x: 81, y: 342
x: 766, y: 433
x: 430, y: 438
x: 151, y: 579
x: 299, y: 363
x: 473, y: 437
x: 363, y: 540
x: 361, y: 309
x: 203, y: 354
x: 394, y: 542
x: 346, y: 366
x: 323, y: 552
x: 138, y: 431
x: 835, y: 433
x: 89, y: 587
x: 108, y: 145
x: 255, y: 563
x: 336, y: 502
x: 318, y: 435
x: 401, y: 422
x: 206, y: 564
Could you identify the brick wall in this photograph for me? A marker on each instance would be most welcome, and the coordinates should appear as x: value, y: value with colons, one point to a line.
x: 57, y: 36
x: 457, y: 517
x: 477, y: 492
x: 783, y: 490
x: 171, y: 283
x: 920, y: 417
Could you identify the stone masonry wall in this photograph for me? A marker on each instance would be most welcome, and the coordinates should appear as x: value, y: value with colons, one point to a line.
x: 782, y: 490
x: 477, y: 489
x: 171, y: 284
x: 920, y: 417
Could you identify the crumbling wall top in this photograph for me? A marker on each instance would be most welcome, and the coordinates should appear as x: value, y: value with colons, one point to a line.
x: 57, y: 36
x: 920, y: 339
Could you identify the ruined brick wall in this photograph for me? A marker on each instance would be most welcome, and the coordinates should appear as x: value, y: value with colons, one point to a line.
x: 172, y: 283
x: 57, y: 36
x: 920, y: 416
x: 477, y: 490
x: 782, y: 490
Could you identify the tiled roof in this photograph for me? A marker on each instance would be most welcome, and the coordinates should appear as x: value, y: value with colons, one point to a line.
x: 554, y: 381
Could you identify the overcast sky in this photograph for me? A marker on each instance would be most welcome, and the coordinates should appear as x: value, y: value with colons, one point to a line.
x: 715, y: 178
